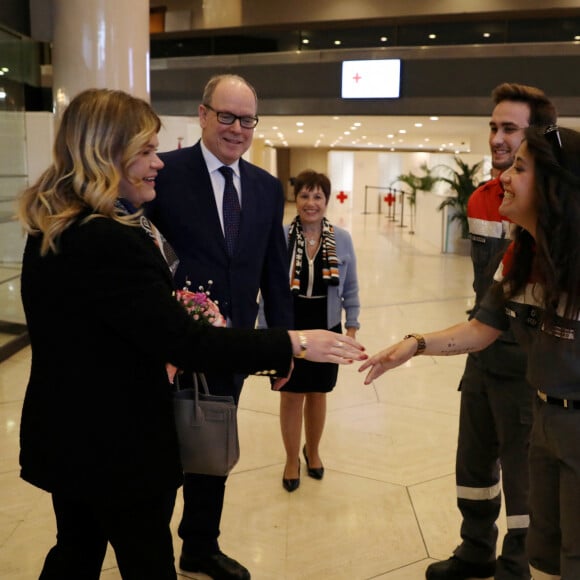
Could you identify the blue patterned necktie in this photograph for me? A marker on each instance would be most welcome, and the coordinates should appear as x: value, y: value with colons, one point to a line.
x: 231, y: 209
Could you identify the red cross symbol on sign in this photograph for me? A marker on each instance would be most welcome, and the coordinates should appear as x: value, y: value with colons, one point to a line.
x: 390, y: 198
x: 341, y: 196
x: 356, y: 78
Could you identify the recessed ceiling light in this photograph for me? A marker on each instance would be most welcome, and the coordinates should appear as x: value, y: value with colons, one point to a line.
x: 486, y: 35
x: 432, y: 36
x: 337, y: 43
x: 434, y: 118
x: 402, y: 131
x: 300, y: 131
x: 299, y: 124
x: 305, y: 41
x: 384, y: 38
x: 418, y: 124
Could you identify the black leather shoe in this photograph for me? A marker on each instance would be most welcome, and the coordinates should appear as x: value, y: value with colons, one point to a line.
x: 315, y: 472
x: 291, y: 485
x: 218, y: 566
x: 456, y: 569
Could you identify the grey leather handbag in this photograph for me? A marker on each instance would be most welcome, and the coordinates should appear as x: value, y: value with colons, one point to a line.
x: 207, y: 429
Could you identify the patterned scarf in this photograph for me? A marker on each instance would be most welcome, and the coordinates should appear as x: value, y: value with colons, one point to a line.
x: 124, y: 207
x: 297, y: 246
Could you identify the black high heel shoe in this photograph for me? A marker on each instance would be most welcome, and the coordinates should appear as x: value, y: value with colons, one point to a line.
x: 291, y: 485
x: 314, y: 472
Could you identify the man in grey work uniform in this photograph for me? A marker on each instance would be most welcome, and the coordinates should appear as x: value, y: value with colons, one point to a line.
x: 496, y: 401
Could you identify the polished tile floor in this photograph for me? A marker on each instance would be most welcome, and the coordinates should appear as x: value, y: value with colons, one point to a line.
x: 386, y: 506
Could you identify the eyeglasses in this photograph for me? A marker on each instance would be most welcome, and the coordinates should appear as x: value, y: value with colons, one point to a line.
x: 552, y: 135
x: 226, y: 118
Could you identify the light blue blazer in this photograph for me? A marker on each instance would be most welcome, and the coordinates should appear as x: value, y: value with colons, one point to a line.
x: 345, y: 295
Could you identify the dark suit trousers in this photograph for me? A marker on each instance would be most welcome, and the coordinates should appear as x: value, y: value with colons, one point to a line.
x: 138, y: 531
x: 203, y: 495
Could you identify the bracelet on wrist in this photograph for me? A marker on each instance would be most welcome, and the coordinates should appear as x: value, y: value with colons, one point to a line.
x: 303, y: 345
x: 421, y: 346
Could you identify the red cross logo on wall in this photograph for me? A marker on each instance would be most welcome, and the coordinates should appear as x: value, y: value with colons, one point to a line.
x: 356, y: 78
x: 342, y: 196
x: 390, y: 199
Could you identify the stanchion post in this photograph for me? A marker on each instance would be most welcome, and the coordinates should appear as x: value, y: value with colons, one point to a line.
x: 366, y: 191
x: 402, y: 193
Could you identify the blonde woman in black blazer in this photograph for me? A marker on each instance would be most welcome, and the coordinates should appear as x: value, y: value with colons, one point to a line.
x: 97, y: 428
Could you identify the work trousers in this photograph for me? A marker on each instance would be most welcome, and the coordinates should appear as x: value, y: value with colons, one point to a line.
x: 492, y: 453
x: 553, y: 542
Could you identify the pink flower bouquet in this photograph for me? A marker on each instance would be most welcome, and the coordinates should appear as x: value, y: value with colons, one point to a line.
x: 201, y: 308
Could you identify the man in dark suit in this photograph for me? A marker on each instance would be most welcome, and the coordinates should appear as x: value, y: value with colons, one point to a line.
x: 226, y: 227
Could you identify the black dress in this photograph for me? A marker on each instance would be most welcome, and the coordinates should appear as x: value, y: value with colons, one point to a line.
x: 310, y: 312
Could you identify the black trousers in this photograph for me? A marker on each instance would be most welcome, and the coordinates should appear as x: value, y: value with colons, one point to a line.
x: 203, y: 495
x: 138, y: 532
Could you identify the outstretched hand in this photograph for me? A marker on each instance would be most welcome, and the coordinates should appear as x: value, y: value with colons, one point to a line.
x: 387, y: 359
x: 330, y: 347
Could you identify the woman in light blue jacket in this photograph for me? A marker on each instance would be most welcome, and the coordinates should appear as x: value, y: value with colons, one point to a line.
x: 323, y: 281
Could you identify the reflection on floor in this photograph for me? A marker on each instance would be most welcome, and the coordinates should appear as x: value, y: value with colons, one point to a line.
x: 13, y: 335
x: 386, y: 506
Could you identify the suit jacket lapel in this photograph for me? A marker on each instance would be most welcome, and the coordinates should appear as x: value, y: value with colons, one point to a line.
x: 250, y: 203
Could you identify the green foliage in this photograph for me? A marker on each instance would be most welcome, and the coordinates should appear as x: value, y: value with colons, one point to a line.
x: 417, y: 183
x: 462, y: 182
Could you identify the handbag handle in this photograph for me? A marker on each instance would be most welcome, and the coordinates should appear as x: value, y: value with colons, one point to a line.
x: 197, y: 417
x: 203, y: 382
x: 197, y: 378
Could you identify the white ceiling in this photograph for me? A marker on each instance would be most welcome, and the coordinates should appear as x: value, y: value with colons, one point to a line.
x: 454, y: 134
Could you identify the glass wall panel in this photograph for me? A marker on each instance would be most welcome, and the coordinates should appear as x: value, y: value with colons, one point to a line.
x: 17, y: 67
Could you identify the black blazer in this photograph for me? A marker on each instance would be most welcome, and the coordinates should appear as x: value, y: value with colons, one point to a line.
x: 186, y: 213
x: 97, y: 416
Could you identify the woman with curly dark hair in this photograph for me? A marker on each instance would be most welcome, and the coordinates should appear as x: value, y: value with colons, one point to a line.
x: 537, y: 293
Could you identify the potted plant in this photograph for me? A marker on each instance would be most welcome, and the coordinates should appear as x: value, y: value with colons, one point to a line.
x: 462, y: 182
x: 416, y: 183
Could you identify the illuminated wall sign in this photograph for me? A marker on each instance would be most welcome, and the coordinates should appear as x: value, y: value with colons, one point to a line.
x: 371, y: 79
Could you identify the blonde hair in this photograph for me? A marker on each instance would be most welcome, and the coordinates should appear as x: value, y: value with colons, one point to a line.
x: 101, y: 133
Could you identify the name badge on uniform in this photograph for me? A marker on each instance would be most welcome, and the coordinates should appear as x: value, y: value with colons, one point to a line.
x: 532, y: 318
